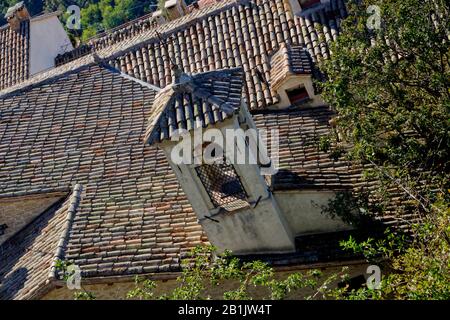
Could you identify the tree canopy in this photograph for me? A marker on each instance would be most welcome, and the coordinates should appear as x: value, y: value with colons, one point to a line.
x: 389, y: 84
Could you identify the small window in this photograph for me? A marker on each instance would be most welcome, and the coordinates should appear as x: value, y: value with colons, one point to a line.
x: 298, y: 96
x: 223, y: 185
x: 304, y: 4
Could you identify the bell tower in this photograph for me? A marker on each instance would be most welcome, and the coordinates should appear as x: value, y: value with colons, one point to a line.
x: 214, y: 148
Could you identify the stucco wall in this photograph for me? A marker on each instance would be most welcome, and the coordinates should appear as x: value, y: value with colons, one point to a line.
x: 119, y: 290
x: 18, y: 212
x: 302, y: 210
x: 258, y: 230
x: 47, y: 40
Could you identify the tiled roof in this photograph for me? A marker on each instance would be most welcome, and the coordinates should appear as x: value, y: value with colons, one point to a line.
x: 27, y: 256
x: 82, y: 123
x: 287, y: 61
x: 200, y: 100
x: 299, y: 60
x: 227, y: 34
x: 14, y: 54
x: 302, y: 164
x: 87, y: 127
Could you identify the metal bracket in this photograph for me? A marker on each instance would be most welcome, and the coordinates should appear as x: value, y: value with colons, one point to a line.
x: 3, y: 227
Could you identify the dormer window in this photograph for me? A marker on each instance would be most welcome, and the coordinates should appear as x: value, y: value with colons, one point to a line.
x: 291, y: 78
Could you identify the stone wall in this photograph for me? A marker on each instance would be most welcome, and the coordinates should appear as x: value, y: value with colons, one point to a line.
x: 118, y: 290
x: 17, y: 212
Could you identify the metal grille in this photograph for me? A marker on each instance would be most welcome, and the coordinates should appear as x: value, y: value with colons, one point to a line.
x: 221, y: 183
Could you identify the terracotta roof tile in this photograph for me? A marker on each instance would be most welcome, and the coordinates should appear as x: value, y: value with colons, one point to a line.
x: 87, y: 127
x: 197, y: 102
x: 14, y: 54
x: 27, y: 257
x: 302, y: 164
x: 289, y: 60
x: 227, y: 34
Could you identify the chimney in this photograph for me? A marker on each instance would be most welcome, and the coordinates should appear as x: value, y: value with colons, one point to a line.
x: 175, y: 9
x: 16, y: 14
x: 291, y: 78
x: 158, y: 17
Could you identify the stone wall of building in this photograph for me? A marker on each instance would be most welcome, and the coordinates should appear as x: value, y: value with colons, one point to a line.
x: 119, y: 290
x: 17, y: 212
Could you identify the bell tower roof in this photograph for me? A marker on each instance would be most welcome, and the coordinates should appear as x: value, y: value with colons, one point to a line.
x: 195, y: 101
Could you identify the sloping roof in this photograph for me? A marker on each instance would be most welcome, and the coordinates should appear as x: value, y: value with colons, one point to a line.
x: 14, y: 54
x: 87, y: 127
x: 302, y: 164
x: 227, y: 34
x: 287, y: 61
x: 28, y: 255
x: 201, y: 100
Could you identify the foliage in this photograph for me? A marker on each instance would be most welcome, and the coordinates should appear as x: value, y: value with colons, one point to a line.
x: 143, y: 289
x: 390, y: 89
x: 417, y: 270
x: 204, y: 271
x: 62, y: 268
x: 83, y: 295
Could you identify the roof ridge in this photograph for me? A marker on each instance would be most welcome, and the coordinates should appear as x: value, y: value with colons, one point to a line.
x: 108, y: 51
x: 72, y: 203
x: 33, y: 192
x: 200, y: 86
x: 48, y: 75
x: 184, y: 20
x: 56, y: 73
x: 128, y: 77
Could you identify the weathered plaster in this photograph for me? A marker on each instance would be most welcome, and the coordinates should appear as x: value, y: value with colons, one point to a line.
x: 47, y: 39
